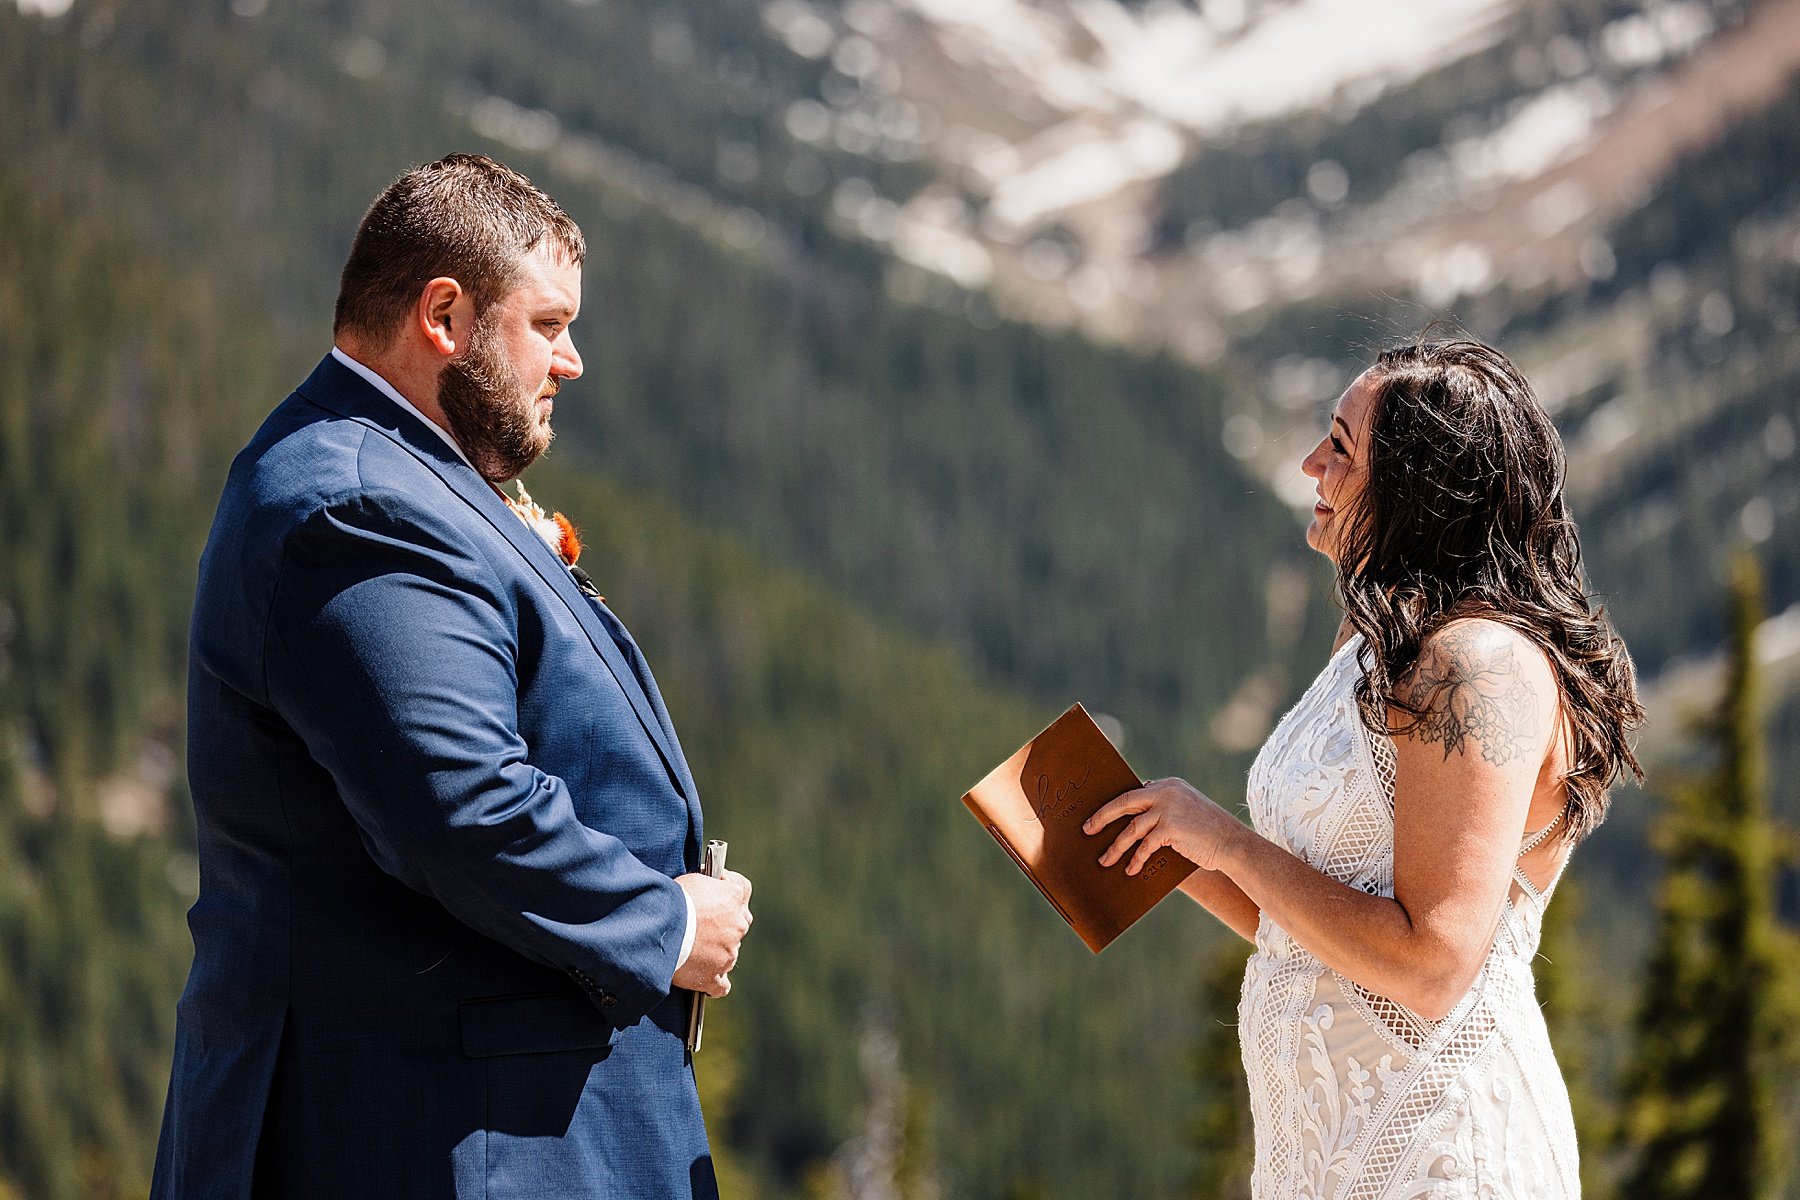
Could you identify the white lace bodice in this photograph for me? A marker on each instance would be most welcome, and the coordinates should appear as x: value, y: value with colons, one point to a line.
x: 1355, y: 1097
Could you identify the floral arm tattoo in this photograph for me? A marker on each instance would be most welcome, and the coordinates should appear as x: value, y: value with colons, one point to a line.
x: 1462, y: 691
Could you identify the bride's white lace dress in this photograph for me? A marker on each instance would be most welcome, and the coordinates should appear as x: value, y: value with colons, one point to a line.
x: 1353, y: 1095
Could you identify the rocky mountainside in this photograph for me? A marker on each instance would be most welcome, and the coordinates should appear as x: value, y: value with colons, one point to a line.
x: 1608, y: 190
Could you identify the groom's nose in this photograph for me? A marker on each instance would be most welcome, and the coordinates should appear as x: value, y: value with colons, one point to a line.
x: 565, y: 361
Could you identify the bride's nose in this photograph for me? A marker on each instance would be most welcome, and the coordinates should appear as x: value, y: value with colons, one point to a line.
x: 1313, y: 465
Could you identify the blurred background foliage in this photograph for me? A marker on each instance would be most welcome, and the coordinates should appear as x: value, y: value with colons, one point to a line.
x: 885, y: 466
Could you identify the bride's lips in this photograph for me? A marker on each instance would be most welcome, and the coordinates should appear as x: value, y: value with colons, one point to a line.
x: 1323, y: 509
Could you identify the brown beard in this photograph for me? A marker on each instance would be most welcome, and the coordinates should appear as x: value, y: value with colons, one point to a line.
x: 491, y: 415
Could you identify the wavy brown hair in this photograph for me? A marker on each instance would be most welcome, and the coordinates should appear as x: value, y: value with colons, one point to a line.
x: 1463, y: 516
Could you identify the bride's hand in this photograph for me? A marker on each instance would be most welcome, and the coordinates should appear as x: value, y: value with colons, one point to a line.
x: 1166, y: 812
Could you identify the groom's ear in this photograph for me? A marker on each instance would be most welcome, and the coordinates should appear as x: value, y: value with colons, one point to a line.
x: 444, y: 315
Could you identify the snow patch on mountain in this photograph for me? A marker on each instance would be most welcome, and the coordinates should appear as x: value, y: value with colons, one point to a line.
x: 1086, y: 160
x: 1079, y: 106
x: 1209, y: 70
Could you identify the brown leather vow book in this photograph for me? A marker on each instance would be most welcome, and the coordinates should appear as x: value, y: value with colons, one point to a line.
x: 1034, y: 804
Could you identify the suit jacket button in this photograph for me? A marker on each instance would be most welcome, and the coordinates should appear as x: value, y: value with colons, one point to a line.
x: 607, y: 999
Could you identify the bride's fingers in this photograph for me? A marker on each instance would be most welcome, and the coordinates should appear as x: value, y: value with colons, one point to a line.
x: 1138, y: 829
x: 1146, y: 848
x: 1131, y: 802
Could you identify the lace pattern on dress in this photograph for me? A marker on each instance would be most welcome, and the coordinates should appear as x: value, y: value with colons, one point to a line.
x: 1354, y: 1096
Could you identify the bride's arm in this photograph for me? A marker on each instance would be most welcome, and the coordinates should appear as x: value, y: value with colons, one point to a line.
x: 1465, y: 775
x: 1217, y: 894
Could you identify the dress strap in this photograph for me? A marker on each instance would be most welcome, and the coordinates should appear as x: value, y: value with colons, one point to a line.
x: 1537, y: 839
x: 1532, y: 842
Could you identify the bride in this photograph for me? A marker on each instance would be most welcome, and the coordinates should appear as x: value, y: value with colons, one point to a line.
x: 1413, y: 811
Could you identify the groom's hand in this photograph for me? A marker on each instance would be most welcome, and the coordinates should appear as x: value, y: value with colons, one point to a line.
x: 721, y: 919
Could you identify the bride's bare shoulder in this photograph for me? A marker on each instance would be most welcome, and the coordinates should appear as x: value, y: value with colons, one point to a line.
x: 1479, y: 687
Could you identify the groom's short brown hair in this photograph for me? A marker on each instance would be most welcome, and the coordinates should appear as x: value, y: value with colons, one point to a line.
x: 465, y: 217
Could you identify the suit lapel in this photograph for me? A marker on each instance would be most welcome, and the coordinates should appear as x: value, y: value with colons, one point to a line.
x: 641, y: 667
x: 336, y: 387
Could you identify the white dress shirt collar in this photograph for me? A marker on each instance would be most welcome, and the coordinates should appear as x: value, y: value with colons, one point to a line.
x: 387, y: 389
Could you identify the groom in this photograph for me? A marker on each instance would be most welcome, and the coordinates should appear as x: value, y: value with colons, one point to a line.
x: 449, y: 914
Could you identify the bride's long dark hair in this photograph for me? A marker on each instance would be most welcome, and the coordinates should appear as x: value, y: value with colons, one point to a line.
x: 1463, y: 515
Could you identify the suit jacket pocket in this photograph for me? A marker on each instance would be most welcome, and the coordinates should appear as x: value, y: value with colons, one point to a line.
x: 532, y: 1023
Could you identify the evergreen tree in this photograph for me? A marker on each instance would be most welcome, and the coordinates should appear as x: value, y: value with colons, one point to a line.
x: 1701, y: 1115
x: 1222, y: 1133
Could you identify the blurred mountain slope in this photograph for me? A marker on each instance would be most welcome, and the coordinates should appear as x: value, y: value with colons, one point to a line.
x: 1607, y: 189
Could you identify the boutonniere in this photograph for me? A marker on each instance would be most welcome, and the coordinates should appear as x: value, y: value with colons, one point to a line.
x: 558, y: 532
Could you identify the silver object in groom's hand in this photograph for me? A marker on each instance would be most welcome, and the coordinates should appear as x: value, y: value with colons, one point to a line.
x: 712, y: 864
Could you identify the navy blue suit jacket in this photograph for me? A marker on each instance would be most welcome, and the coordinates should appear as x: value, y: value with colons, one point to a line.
x: 440, y: 809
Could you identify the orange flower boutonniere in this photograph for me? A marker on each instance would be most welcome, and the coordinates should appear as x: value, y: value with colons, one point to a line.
x: 558, y: 532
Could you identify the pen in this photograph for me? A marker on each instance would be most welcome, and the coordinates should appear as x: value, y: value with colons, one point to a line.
x: 712, y: 864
